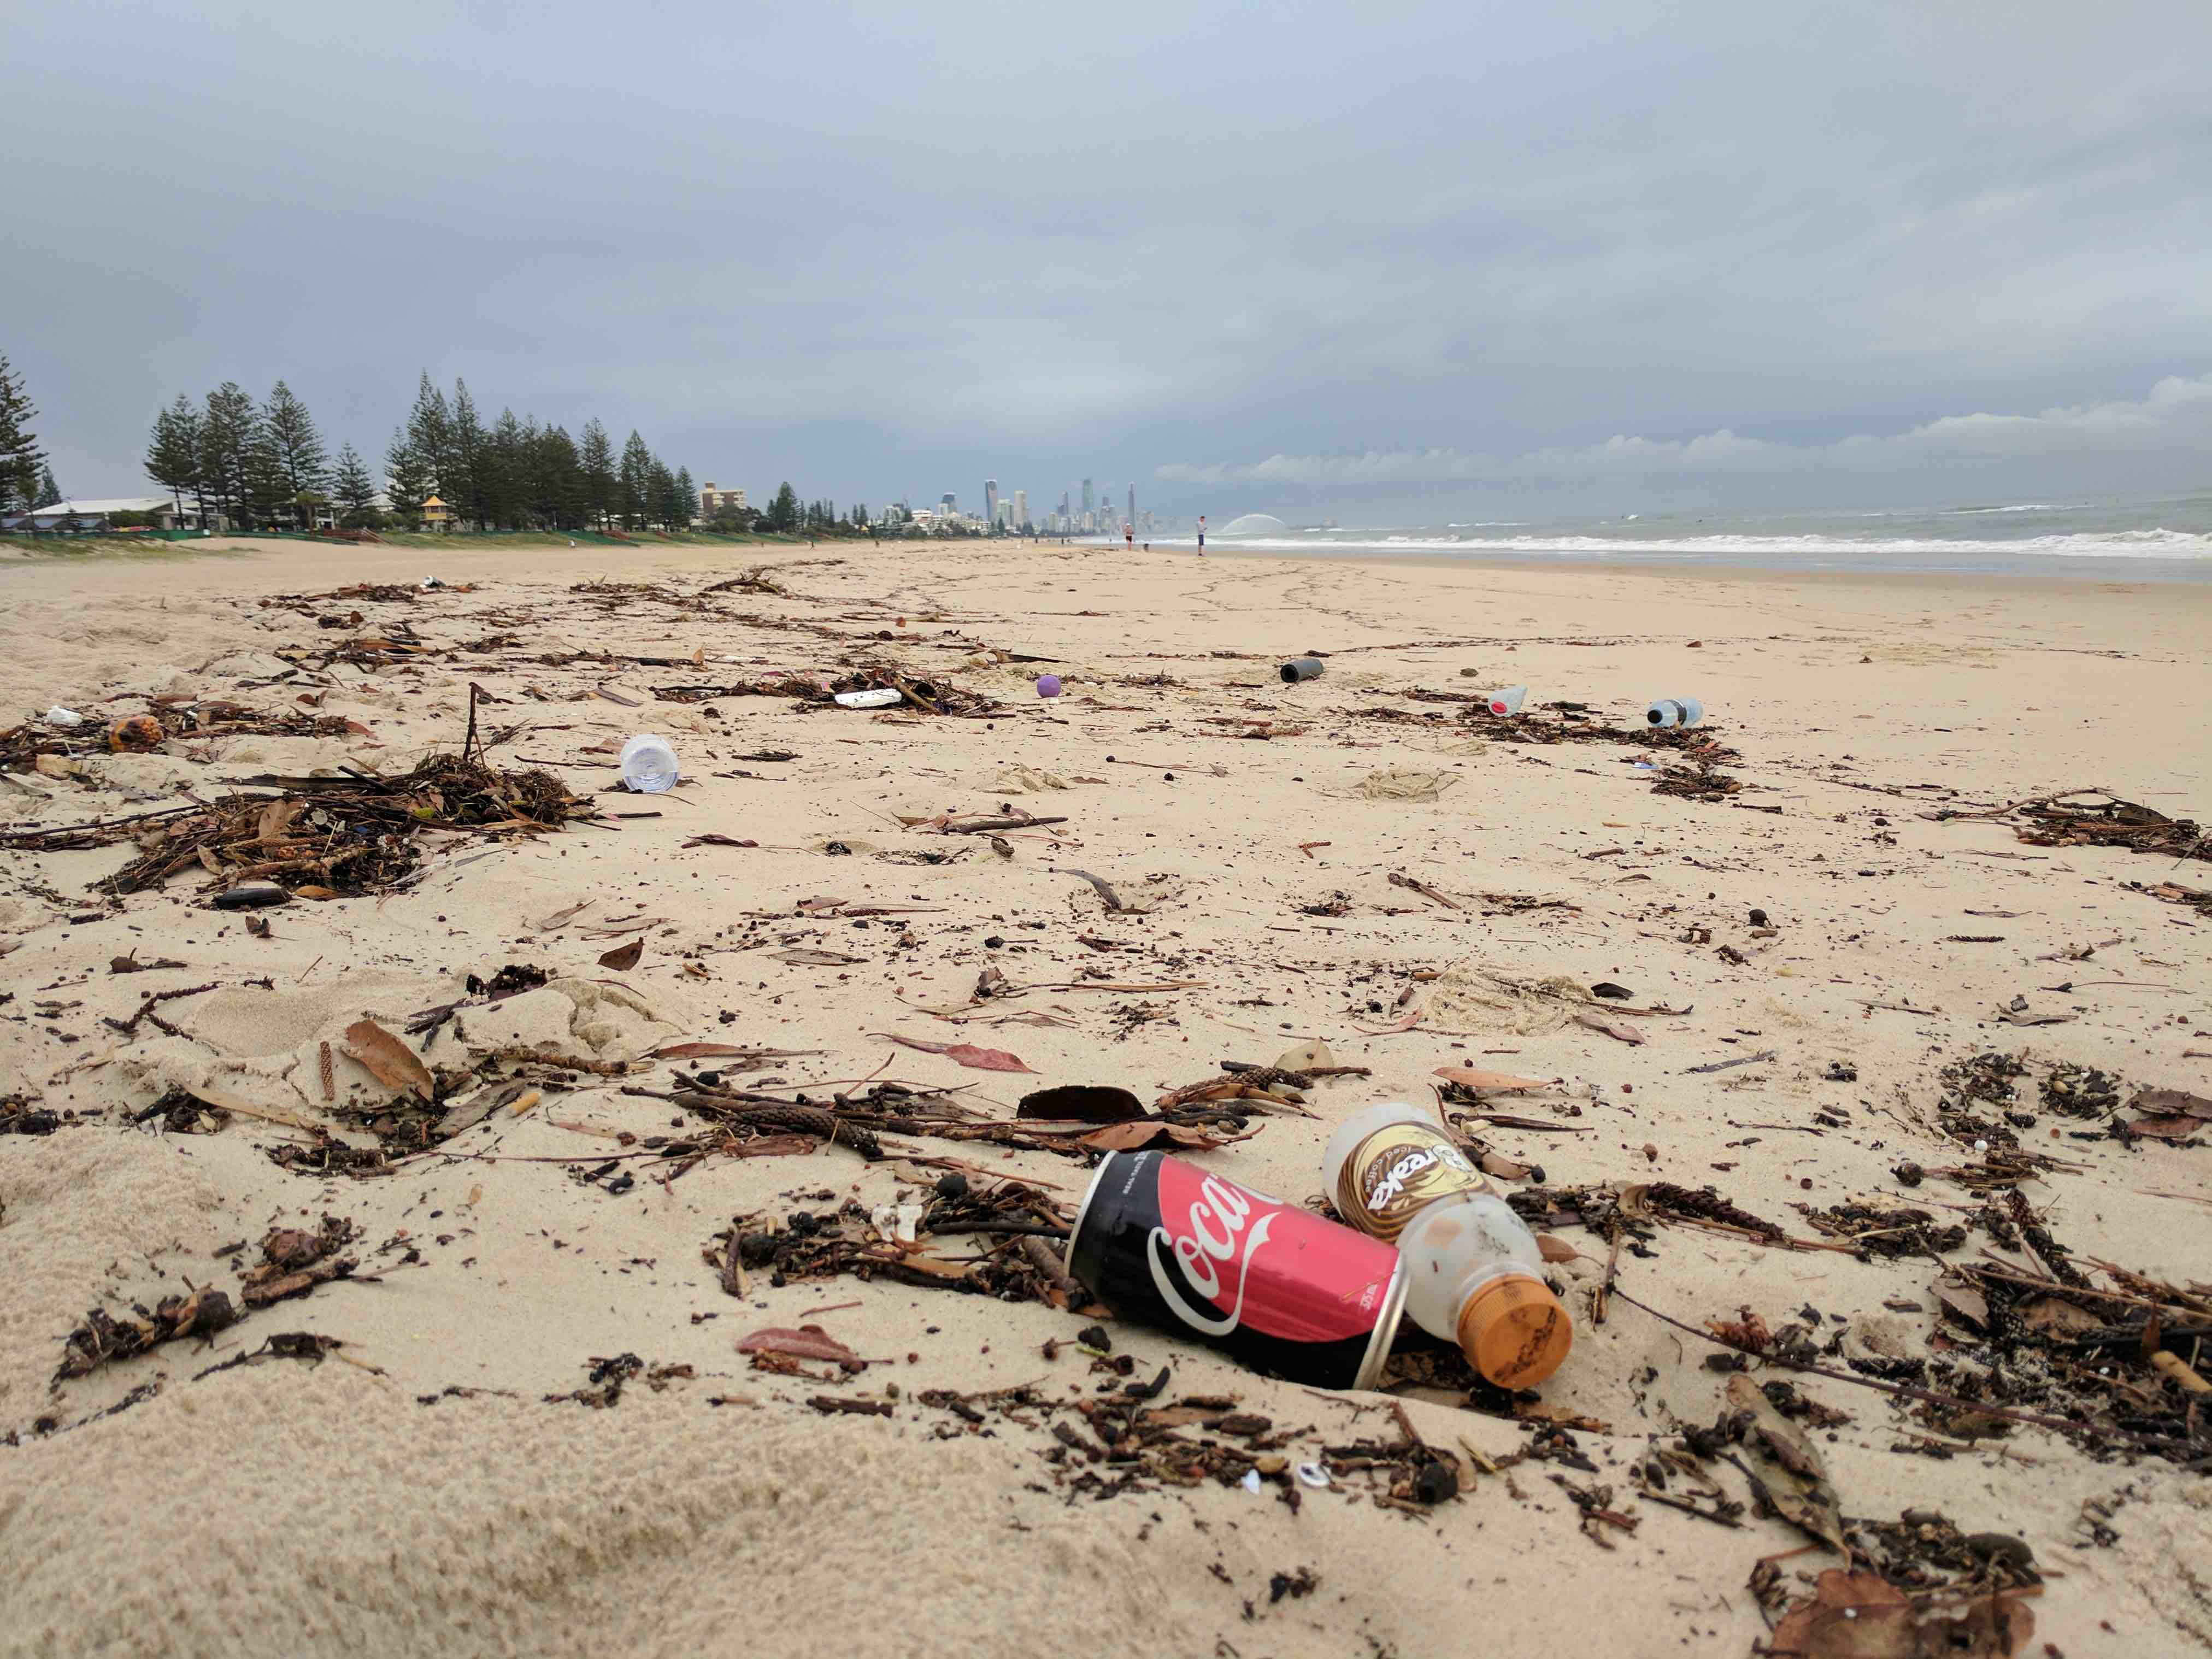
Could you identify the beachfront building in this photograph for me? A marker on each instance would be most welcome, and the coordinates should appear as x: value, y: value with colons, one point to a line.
x: 1021, y: 507
x: 436, y: 515
x: 153, y: 512
x: 712, y: 500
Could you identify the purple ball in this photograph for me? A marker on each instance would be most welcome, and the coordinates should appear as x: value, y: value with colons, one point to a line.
x: 1048, y: 685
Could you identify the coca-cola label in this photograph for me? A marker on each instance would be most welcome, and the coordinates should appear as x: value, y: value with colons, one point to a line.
x: 1223, y: 1257
x: 1398, y: 1169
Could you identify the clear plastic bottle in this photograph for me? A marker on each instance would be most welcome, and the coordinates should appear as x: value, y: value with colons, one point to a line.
x: 1506, y: 704
x: 1474, y: 1272
x: 1674, y: 711
x: 649, y: 764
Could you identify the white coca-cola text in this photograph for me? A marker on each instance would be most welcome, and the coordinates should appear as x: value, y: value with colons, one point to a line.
x: 1217, y: 1223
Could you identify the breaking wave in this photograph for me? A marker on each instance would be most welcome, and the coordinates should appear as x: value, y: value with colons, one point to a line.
x: 2159, y: 543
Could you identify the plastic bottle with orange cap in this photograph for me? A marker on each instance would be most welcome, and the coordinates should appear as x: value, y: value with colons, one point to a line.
x: 1473, y: 1274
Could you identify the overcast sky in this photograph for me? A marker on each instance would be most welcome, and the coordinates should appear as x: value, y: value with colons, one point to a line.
x: 1361, y: 260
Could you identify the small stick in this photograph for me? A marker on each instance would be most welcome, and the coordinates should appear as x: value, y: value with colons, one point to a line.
x: 146, y: 1009
x: 1399, y: 878
x: 1724, y: 1064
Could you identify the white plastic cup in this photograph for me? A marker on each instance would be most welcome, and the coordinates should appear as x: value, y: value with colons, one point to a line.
x: 1507, y: 703
x: 881, y: 696
x: 649, y: 764
x: 1674, y: 711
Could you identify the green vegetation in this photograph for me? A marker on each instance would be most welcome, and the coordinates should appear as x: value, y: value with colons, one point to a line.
x: 266, y: 468
x: 21, y: 460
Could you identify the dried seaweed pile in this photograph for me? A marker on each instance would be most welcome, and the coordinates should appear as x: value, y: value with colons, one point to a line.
x: 1073, y: 1122
x: 1699, y: 780
x: 335, y: 837
x: 2116, y: 1368
x: 1129, y: 1439
x: 1559, y: 722
x: 1015, y: 1228
x: 2096, y: 817
x: 930, y: 696
x: 293, y: 1262
x: 21, y: 746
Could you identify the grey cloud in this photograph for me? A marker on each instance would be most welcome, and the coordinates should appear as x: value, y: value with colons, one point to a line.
x: 2174, y: 420
x: 891, y: 248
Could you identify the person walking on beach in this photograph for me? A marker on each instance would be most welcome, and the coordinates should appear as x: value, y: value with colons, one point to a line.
x: 1201, y: 535
x: 1129, y: 537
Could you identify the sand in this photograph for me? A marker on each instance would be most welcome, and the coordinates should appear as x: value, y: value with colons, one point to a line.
x: 427, y: 1497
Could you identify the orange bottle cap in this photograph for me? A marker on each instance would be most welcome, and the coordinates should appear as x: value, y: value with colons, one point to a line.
x: 1514, y: 1331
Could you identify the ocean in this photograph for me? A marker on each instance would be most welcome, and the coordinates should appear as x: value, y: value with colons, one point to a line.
x: 2134, y: 538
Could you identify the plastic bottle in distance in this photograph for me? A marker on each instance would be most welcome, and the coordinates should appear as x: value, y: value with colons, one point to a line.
x: 1507, y: 703
x: 649, y: 764
x: 1473, y: 1274
x: 1676, y: 711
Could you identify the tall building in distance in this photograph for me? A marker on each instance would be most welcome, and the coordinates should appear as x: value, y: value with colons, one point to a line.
x: 990, y: 501
x: 1087, y: 502
x: 1131, y: 519
x: 946, y: 507
x: 1021, y: 507
x: 712, y: 500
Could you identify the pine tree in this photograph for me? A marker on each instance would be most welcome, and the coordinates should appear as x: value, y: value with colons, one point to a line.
x: 660, y: 495
x: 430, y: 440
x: 686, y: 505
x: 413, y: 478
x: 20, y: 454
x: 268, y: 499
x: 561, y: 495
x: 633, y: 478
x: 503, y: 468
x: 228, y: 433
x: 49, y: 493
x: 595, y: 457
x: 355, y: 490
x: 172, y: 456
x: 295, y: 450
x: 470, y: 465
x: 783, y: 511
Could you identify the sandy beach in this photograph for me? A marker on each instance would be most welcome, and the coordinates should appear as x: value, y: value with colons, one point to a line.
x: 1821, y: 906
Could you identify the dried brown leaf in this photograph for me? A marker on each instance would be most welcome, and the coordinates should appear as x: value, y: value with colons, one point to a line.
x: 624, y: 958
x: 2168, y: 1128
x: 979, y: 1059
x: 1854, y: 1615
x: 1612, y: 1028
x: 1081, y: 1102
x: 1786, y: 1468
x: 807, y: 1342
x: 391, y: 1062
x: 1123, y: 1137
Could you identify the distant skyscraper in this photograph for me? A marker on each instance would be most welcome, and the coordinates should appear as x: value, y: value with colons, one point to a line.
x: 991, y: 500
x: 1132, y: 505
x: 1087, y: 501
x: 947, y: 504
x: 1021, y: 507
